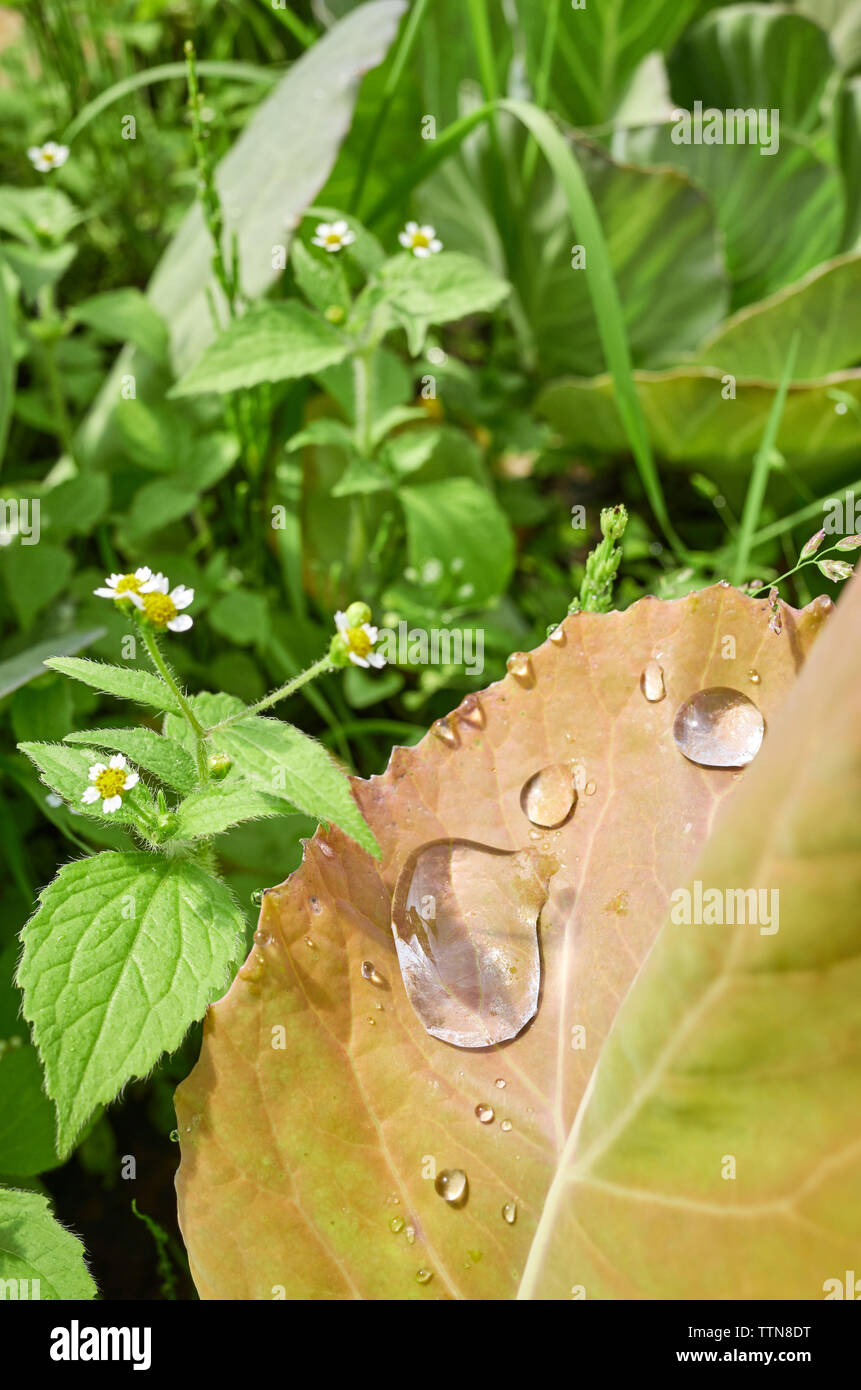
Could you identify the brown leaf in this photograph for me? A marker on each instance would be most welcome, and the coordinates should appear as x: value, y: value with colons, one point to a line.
x: 321, y: 1109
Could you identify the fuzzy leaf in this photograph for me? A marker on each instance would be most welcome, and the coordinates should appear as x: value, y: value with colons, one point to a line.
x: 127, y: 683
x: 34, y: 1246
x: 124, y: 952
x: 163, y: 757
x: 66, y: 771
x: 272, y: 342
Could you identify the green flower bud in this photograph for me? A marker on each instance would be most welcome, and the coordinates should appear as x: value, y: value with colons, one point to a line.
x: 339, y: 650
x: 357, y: 613
x: 219, y: 766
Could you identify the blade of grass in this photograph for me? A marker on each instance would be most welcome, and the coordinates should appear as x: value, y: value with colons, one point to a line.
x: 542, y: 86
x: 810, y: 513
x: 402, y: 50
x: 762, y: 468
x: 285, y: 16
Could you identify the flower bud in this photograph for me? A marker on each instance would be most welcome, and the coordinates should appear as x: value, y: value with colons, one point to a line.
x: 219, y: 766
x: 810, y: 547
x: 356, y: 614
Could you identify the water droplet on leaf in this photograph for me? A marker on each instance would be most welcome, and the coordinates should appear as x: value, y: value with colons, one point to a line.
x: 465, y: 921
x: 484, y: 1114
x: 506, y: 1125
x: 509, y: 1213
x: 424, y: 1276
x: 548, y: 798
x: 754, y: 677
x: 471, y: 711
x: 558, y: 636
x: 372, y: 974
x: 452, y: 1185
x: 519, y: 665
x: 396, y: 1225
x: 719, y: 727
x: 652, y: 682
x: 500, y: 1083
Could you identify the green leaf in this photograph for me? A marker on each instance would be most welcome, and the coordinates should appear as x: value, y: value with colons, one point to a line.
x: 127, y: 684
x: 34, y: 1246
x: 33, y: 214
x: 27, y: 1120
x: 848, y: 120
x: 753, y: 343
x: 281, y: 761
x: 34, y: 575
x: 320, y: 278
x: 66, y: 771
x: 441, y: 288
x: 125, y: 315
x: 29, y: 664
x: 362, y: 476
x: 37, y: 267
x: 163, y: 757
x: 124, y: 952
x: 325, y: 431
x: 215, y: 808
x: 8, y: 369
x: 457, y: 533
x: 242, y: 616
x: 76, y: 506
x: 690, y: 422
x: 271, y: 342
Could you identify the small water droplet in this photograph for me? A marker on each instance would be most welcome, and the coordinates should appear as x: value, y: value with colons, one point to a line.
x: 484, y: 1114
x: 452, y: 1185
x: 519, y: 665
x: 548, y: 798
x: 424, y: 1276
x: 471, y: 711
x: 558, y: 636
x: 500, y: 1083
x: 372, y: 974
x: 410, y: 1233
x: 310, y: 944
x: 509, y: 1213
x: 397, y: 1224
x: 719, y: 727
x: 444, y: 731
x: 754, y: 677
x: 506, y: 1125
x: 652, y: 682
x: 590, y: 788
x: 578, y: 773
x: 465, y: 925
x: 252, y: 971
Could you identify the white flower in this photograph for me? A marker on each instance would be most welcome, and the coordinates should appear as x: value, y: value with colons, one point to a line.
x: 332, y: 235
x: 422, y: 241
x: 163, y: 608
x: 118, y: 586
x: 108, y: 782
x: 48, y: 156
x: 360, y: 642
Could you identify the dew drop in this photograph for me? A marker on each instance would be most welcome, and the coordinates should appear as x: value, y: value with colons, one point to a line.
x: 424, y: 1276
x: 500, y: 1083
x: 396, y: 1225
x: 452, y: 1185
x: 444, y: 732
x: 484, y: 1114
x: 590, y: 788
x: 471, y: 711
x: 506, y: 1125
x: 719, y: 727
x: 310, y: 944
x: 754, y: 677
x: 410, y: 1233
x: 465, y: 921
x: 372, y: 974
x: 652, y: 682
x: 578, y: 773
x: 509, y: 1213
x: 548, y: 798
x: 519, y: 665
x: 558, y: 636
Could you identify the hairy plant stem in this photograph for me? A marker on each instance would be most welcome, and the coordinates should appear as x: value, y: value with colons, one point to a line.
x: 319, y: 668
x: 189, y: 715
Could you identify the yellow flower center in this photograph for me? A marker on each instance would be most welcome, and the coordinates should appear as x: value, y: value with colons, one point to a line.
x: 48, y: 156
x: 359, y: 641
x: 333, y: 239
x: 419, y: 239
x: 159, y: 608
x: 111, y: 782
x: 128, y: 583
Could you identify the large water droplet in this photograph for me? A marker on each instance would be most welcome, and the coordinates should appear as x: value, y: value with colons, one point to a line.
x: 484, y: 1114
x: 519, y: 665
x: 652, y: 681
x: 444, y: 732
x: 465, y: 921
x: 424, y: 1276
x: 471, y: 711
x: 548, y: 798
x: 558, y: 636
x: 500, y: 1082
x: 719, y: 727
x: 396, y: 1225
x: 509, y: 1213
x: 452, y: 1184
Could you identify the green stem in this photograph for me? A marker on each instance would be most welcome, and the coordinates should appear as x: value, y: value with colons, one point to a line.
x: 542, y: 88
x: 362, y: 387
x: 802, y: 564
x: 191, y: 718
x: 762, y: 468
x: 320, y: 668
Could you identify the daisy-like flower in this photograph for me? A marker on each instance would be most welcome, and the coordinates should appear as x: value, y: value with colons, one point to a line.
x: 355, y: 639
x: 48, y: 156
x: 118, y: 586
x: 108, y: 782
x: 332, y: 235
x: 161, y: 607
x: 422, y: 241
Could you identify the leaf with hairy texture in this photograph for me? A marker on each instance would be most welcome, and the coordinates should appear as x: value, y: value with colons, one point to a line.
x: 124, y: 952
x: 325, y: 1103
x: 215, y: 808
x: 271, y: 342
x: 36, y: 1248
x: 127, y: 683
x: 66, y: 771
